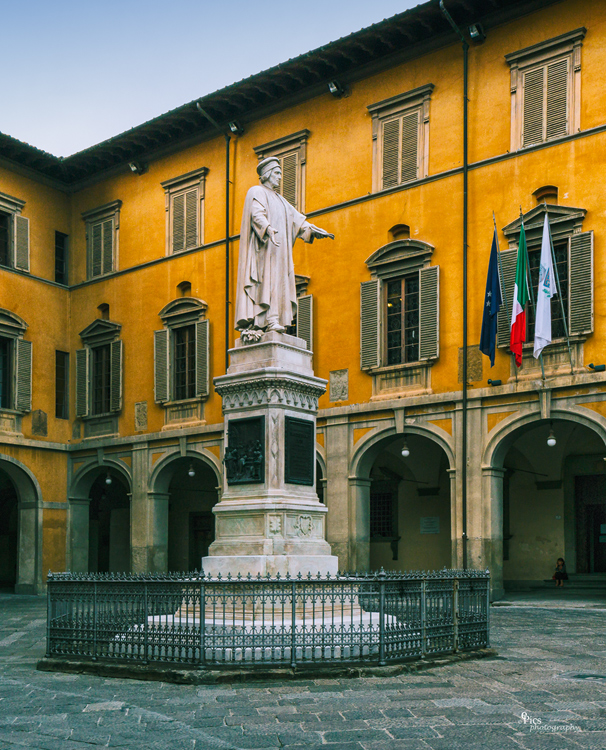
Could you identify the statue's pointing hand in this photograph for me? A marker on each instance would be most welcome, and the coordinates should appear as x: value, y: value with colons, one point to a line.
x: 319, y: 233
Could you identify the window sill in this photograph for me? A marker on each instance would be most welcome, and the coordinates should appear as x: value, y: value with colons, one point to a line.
x: 10, y: 422
x: 100, y: 425
x: 556, y: 360
x: 394, y: 381
x: 178, y: 413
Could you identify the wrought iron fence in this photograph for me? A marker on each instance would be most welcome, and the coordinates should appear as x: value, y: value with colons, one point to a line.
x: 193, y: 619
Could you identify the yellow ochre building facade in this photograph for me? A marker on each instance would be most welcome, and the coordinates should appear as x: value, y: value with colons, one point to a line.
x: 114, y: 298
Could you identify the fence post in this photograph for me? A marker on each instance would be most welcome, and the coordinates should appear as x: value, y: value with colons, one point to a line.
x: 423, y: 616
x: 487, y: 606
x: 48, y: 617
x: 382, y: 661
x: 145, y: 624
x: 455, y: 613
x: 94, y: 620
x: 293, y: 627
x: 202, y: 624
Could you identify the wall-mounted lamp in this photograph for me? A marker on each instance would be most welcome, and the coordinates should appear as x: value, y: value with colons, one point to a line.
x: 191, y: 472
x: 596, y: 368
x: 108, y: 479
x: 336, y: 89
x: 235, y: 127
x: 494, y: 382
x: 551, y: 439
x: 477, y: 33
x: 405, y: 450
x: 137, y: 167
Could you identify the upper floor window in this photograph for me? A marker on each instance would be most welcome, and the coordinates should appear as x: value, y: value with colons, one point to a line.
x: 15, y: 364
x: 60, y: 258
x: 184, y: 211
x: 400, y: 132
x: 99, y: 370
x: 546, y: 90
x: 291, y: 151
x: 572, y: 307
x: 61, y: 385
x: 102, y: 233
x: 181, y: 352
x: 14, y: 233
x: 400, y: 306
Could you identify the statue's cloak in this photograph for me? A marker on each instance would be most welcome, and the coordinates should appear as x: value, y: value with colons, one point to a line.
x: 266, y: 275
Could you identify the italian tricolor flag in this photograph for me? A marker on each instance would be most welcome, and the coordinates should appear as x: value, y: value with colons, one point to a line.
x: 517, y: 336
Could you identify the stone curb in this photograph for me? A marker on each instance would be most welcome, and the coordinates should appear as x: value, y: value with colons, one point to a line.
x: 222, y: 676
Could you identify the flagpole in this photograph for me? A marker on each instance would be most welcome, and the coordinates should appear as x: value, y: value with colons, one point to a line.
x: 502, y: 285
x: 557, y: 278
x: 529, y: 282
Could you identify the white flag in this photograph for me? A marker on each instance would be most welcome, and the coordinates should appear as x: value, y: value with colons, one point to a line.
x: 546, y: 290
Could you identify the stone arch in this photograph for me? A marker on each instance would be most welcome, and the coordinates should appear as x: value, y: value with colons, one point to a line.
x: 29, y: 541
x: 79, y: 506
x: 161, y: 474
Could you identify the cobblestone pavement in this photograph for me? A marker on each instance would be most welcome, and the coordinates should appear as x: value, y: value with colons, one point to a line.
x: 546, y: 691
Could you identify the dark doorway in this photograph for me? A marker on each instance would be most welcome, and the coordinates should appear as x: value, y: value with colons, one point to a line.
x: 9, y: 532
x: 590, y: 503
x: 201, y: 536
x: 109, y: 526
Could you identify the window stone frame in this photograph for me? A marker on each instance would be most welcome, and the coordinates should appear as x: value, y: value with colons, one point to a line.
x: 95, y: 217
x: 417, y: 99
x: 176, y: 186
x: 565, y: 46
x: 13, y: 327
x: 19, y: 239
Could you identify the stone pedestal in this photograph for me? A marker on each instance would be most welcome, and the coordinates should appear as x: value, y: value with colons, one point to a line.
x: 270, y: 519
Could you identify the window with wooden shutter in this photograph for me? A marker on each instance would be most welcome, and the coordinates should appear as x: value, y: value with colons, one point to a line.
x: 291, y: 152
x: 508, y: 277
x: 429, y: 312
x: 370, y: 321
x: 23, y: 369
x: 184, y: 214
x: 82, y: 382
x: 304, y: 320
x: 581, y: 283
x: 545, y: 90
x: 102, y: 231
x: 116, y: 358
x: 21, y: 243
x: 161, y: 365
x: 401, y: 138
x: 202, y: 358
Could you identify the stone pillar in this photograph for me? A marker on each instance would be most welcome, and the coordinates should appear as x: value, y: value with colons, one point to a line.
x: 337, y: 489
x: 269, y: 519
x: 30, y: 538
x: 492, y: 482
x: 359, y: 523
x: 139, y: 511
x: 157, y: 533
x: 476, y: 530
x: 79, y: 533
x: 455, y: 522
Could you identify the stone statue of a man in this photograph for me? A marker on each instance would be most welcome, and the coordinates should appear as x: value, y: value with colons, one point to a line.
x: 266, y: 298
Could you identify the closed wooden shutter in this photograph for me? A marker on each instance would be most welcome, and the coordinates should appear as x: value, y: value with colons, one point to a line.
x: 202, y: 357
x: 23, y: 367
x: 108, y: 246
x: 178, y: 223
x: 557, y: 99
x: 534, y: 85
x: 96, y: 249
x: 581, y: 283
x: 21, y: 243
x: 115, y: 383
x: 191, y: 219
x: 290, y: 168
x: 410, y: 147
x: 370, y: 322
x: 161, y: 365
x: 390, y: 153
x: 508, y: 279
x: 429, y: 312
x: 82, y: 371
x: 305, y: 319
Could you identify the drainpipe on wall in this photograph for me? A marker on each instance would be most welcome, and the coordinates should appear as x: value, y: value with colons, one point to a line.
x: 227, y: 183
x: 465, y: 174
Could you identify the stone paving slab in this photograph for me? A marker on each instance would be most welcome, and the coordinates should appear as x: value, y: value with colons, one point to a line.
x: 545, y: 691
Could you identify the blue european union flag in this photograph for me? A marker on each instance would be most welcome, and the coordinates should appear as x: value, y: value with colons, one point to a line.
x: 492, y: 303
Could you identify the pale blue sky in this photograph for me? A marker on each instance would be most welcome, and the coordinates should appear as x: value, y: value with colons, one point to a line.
x: 78, y: 72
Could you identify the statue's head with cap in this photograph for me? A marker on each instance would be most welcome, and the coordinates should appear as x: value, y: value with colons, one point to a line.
x: 266, y: 169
